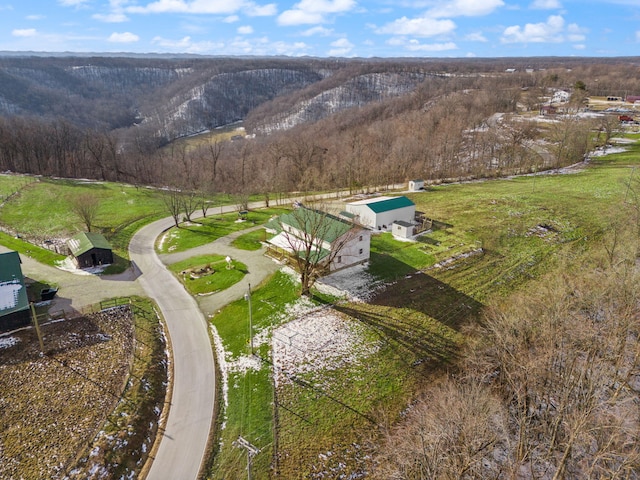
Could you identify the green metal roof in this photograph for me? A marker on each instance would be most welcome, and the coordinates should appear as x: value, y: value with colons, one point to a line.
x: 13, y: 293
x: 320, y: 225
x: 85, y: 241
x: 390, y: 204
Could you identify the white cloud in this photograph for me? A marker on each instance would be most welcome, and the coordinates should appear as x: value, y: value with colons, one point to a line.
x: 72, y: 3
x: 231, y: 19
x: 638, y: 36
x: 113, y: 17
x: 419, y: 27
x: 33, y: 17
x: 576, y: 33
x: 299, y: 17
x: 254, y: 10
x: 314, y: 11
x: 546, y: 4
x: 340, y: 48
x: 414, y: 45
x: 476, y: 37
x: 551, y: 31
x: 236, y: 46
x: 245, y: 30
x: 24, y: 32
x: 215, y: 7
x: 464, y: 8
x: 432, y: 47
x: 124, y: 37
x: 580, y: 46
x: 319, y: 31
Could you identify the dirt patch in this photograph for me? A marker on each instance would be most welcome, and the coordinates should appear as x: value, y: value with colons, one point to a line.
x: 53, y: 404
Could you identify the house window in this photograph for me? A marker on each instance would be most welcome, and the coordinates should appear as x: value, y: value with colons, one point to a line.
x: 360, y: 238
x: 339, y: 259
x: 360, y: 252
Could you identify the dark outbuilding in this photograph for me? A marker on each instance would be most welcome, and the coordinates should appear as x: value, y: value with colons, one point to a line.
x: 90, y: 250
x: 14, y: 303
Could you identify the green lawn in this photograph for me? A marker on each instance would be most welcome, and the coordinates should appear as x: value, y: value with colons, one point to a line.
x: 250, y: 391
x: 205, y: 230
x: 499, y: 235
x: 207, y: 274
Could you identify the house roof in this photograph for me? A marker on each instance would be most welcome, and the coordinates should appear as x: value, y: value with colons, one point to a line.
x: 85, y: 241
x: 13, y: 293
x: 321, y: 225
x: 390, y: 203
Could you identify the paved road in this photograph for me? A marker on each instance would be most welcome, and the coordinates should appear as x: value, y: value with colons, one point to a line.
x: 184, y: 440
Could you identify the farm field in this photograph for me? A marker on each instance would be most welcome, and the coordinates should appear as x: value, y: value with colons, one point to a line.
x: 334, y: 390
x: 56, y: 416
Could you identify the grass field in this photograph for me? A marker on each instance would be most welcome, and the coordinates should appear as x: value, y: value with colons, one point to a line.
x: 208, y: 229
x: 52, y: 420
x: 500, y: 234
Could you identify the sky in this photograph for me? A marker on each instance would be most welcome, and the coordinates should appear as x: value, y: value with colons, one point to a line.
x: 325, y: 28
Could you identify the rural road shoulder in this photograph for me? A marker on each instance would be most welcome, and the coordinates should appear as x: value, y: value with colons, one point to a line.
x: 183, y: 444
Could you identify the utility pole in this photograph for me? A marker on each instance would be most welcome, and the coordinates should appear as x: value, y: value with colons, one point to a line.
x: 35, y: 323
x: 247, y: 297
x: 251, y: 452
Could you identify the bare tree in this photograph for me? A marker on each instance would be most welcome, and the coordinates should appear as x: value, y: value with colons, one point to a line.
x: 314, y: 240
x: 172, y: 199
x: 86, y: 206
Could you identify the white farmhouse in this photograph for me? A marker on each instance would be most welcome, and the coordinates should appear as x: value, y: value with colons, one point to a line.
x: 333, y: 243
x: 381, y: 212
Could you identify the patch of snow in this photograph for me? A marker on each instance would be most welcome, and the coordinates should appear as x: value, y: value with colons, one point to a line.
x: 7, y: 342
x: 222, y: 365
x: 9, y: 292
x: 321, y: 340
x: 355, y: 284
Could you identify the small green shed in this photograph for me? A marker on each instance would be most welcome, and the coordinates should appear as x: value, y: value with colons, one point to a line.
x: 90, y: 249
x: 14, y: 303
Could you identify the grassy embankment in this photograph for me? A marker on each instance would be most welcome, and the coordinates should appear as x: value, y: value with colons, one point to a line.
x: 524, y: 227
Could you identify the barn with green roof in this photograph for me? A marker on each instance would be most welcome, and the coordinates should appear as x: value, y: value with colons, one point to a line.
x: 379, y: 213
x: 90, y: 249
x: 14, y: 303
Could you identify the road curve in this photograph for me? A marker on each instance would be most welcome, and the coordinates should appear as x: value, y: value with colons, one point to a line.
x: 184, y: 440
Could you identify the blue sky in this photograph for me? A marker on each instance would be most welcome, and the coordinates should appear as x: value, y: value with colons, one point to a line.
x: 323, y: 28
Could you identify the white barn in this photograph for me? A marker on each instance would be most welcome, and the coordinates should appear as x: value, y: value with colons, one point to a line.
x: 379, y: 213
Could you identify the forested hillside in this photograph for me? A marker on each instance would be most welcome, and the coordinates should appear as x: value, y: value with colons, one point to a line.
x: 310, y: 123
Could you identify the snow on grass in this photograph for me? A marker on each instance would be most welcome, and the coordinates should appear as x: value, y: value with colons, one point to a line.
x: 319, y: 341
x: 355, y: 284
x: 8, y: 342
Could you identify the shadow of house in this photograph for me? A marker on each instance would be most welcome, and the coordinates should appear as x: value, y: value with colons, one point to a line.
x: 90, y: 250
x: 14, y: 303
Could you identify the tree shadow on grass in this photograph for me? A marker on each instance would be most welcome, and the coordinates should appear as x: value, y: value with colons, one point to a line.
x: 419, y: 291
x: 392, y: 314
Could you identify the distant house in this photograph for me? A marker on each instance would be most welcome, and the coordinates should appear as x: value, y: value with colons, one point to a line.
x: 560, y: 96
x: 379, y: 213
x: 336, y: 243
x: 90, y: 250
x: 548, y: 110
x: 416, y: 185
x: 14, y: 303
x: 633, y: 99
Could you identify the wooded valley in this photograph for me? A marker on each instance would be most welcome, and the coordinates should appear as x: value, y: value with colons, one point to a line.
x: 539, y: 374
